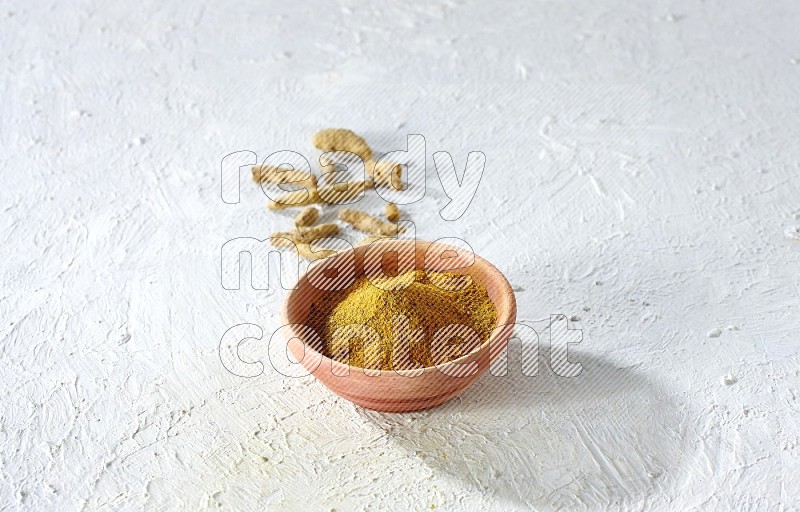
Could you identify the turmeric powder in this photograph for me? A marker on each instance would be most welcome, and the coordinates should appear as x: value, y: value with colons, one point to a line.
x: 393, y: 327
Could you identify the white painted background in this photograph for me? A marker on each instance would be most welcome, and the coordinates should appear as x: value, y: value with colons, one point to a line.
x: 642, y: 163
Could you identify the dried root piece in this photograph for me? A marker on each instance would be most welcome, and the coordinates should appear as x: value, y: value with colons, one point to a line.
x: 392, y: 213
x: 309, y: 253
x: 368, y: 240
x: 365, y: 222
x: 302, y: 197
x: 331, y: 175
x: 387, y: 174
x: 336, y: 194
x: 340, y: 139
x: 342, y: 192
x: 307, y: 216
x: 303, y: 235
x: 270, y: 174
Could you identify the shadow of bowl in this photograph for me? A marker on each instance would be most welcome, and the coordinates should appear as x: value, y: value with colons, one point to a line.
x: 603, y: 438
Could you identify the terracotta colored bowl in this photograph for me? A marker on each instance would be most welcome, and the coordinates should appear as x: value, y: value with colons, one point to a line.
x: 403, y: 390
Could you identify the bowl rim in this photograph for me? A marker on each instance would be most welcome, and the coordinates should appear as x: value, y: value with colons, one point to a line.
x: 510, y: 315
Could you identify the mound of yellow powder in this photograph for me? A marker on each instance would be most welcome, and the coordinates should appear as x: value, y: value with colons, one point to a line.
x: 396, y: 325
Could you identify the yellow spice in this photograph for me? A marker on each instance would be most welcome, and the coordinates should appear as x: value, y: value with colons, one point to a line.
x: 405, y: 321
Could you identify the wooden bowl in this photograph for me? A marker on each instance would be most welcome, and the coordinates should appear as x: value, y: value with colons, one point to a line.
x: 402, y: 390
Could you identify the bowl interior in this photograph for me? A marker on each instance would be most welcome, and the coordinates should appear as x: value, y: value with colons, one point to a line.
x: 394, y: 257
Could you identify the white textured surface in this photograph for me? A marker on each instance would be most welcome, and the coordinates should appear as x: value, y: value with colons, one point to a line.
x: 642, y: 162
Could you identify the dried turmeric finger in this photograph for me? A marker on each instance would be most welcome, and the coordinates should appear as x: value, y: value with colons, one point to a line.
x: 365, y: 222
x: 392, y: 213
x: 306, y: 217
x: 309, y: 253
x: 368, y: 240
x: 343, y: 192
x: 339, y: 166
x: 271, y: 174
x: 336, y: 194
x: 341, y: 139
x: 303, y: 235
x: 302, y: 197
x: 386, y: 173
